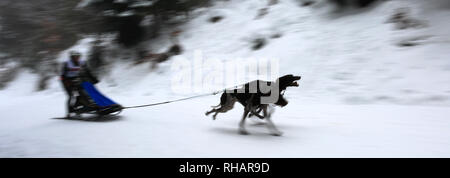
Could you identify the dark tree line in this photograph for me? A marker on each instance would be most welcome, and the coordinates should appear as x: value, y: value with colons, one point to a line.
x: 357, y: 3
x: 126, y: 17
x: 33, y: 33
x: 50, y: 26
x: 31, y: 27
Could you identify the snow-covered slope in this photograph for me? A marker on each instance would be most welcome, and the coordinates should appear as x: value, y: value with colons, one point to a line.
x: 361, y: 95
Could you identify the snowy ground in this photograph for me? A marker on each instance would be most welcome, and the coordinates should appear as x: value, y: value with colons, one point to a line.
x: 180, y: 130
x: 360, y: 95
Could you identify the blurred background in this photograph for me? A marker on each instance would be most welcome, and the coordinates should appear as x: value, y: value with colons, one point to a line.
x: 34, y: 33
x: 347, y: 47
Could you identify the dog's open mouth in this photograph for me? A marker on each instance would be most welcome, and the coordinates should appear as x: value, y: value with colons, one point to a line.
x: 295, y: 84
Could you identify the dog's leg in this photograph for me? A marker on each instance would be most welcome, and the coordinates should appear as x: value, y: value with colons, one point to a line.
x: 226, y: 103
x: 223, y: 108
x: 242, y: 123
x: 253, y: 112
x: 270, y: 125
x: 257, y: 111
x: 229, y: 105
x: 209, y: 112
x: 215, y: 111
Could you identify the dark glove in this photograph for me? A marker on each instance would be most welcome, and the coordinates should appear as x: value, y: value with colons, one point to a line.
x: 95, y: 80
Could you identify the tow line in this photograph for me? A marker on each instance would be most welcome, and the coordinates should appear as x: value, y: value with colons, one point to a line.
x: 171, y: 101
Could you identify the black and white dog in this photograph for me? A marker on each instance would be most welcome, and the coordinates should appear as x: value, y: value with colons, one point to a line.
x: 256, y: 96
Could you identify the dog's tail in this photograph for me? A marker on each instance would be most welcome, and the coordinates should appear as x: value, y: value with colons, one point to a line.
x: 216, y: 106
x: 223, y: 100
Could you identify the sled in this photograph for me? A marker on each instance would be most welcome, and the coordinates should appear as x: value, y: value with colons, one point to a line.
x: 91, y: 101
x: 90, y: 118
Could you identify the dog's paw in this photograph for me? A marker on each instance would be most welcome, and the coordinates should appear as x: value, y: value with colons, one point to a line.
x: 243, y: 132
x: 277, y: 133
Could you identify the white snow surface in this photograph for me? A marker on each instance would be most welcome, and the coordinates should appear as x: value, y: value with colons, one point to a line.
x: 360, y: 95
